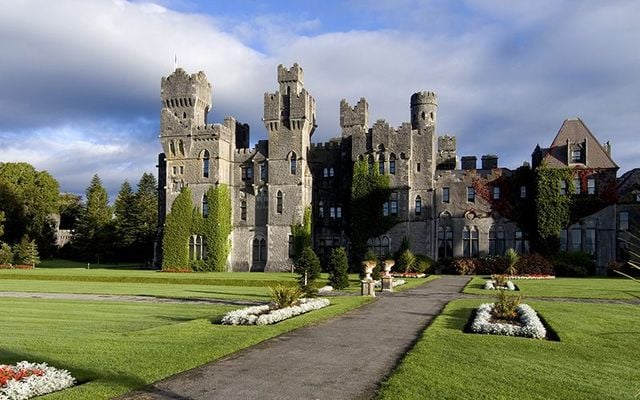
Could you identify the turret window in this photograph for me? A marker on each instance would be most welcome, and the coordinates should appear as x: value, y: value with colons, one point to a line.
x: 392, y: 164
x: 247, y: 172
x: 445, y: 195
x: 325, y: 173
x: 205, y: 164
x: 293, y: 163
x: 331, y: 172
x: 279, y: 202
x: 418, y: 205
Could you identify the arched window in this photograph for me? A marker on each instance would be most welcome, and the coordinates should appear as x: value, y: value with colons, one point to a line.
x: 325, y: 173
x: 521, y: 242
x: 381, y: 163
x: 392, y: 164
x: 279, y: 202
x: 496, y: 241
x: 181, y: 147
x: 262, y: 200
x: 205, y: 164
x: 470, y: 241
x: 243, y: 210
x: 294, y: 160
x: 418, y: 205
x: 172, y: 148
x: 205, y: 206
x: 321, y: 209
x: 385, y: 246
x: 445, y: 242
x: 331, y: 172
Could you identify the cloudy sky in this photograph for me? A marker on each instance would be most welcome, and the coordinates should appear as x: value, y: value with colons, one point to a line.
x: 80, y: 79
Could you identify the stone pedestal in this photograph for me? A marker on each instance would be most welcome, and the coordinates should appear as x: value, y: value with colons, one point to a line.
x: 387, y: 283
x: 368, y: 288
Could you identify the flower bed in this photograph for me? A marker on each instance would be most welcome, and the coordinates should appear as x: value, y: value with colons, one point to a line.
x: 529, y: 324
x: 492, y: 285
x: 532, y: 276
x: 264, y: 315
x: 408, y: 275
x: 26, y: 380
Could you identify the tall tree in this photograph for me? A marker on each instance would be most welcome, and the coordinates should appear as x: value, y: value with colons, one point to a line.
x: 146, y: 216
x: 217, y: 227
x: 125, y: 221
x: 177, y: 230
x: 1, y: 223
x: 93, y: 229
x: 28, y: 198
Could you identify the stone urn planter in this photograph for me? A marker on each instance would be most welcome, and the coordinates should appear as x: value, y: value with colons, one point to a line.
x: 388, y: 264
x: 368, y: 266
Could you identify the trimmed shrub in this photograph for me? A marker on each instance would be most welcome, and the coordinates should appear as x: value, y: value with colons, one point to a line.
x: 338, y: 269
x: 573, y: 264
x: 308, y: 267
x: 534, y: 264
x: 424, y: 264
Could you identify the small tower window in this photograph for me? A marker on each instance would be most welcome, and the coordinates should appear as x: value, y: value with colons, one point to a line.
x: 321, y: 209
x: 381, y: 164
x: 181, y: 147
x: 576, y: 155
x: 243, y: 210
x: 393, y: 209
x: 172, y: 148
x: 471, y: 194
x: 445, y: 194
x: 279, y: 202
x: 496, y: 192
x: 418, y: 167
x: 205, y: 206
x: 293, y: 163
x: 205, y: 164
x: 418, y: 205
x: 392, y: 164
x: 325, y: 173
x: 331, y: 172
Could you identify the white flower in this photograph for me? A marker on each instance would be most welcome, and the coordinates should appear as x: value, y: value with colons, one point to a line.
x: 327, y: 288
x: 260, y: 315
x: 531, y: 325
x: 51, y: 380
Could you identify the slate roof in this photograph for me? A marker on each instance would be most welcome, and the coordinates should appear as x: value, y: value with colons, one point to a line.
x: 573, y: 130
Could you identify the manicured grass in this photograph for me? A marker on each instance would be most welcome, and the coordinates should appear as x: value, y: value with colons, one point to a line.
x: 579, y: 288
x: 596, y: 358
x: 116, y: 347
x: 61, y: 263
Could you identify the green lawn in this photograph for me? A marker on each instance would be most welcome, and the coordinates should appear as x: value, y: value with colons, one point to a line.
x: 115, y: 347
x: 579, y: 288
x: 597, y: 357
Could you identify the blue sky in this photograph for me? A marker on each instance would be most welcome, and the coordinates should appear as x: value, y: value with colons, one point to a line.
x: 80, y: 80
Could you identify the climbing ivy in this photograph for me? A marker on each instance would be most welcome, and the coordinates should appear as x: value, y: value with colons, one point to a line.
x: 553, y: 208
x: 369, y: 191
x: 177, y: 230
x: 301, y: 234
x: 217, y: 227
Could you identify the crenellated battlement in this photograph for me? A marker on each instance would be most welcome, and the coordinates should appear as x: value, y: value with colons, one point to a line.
x: 357, y: 115
x: 421, y: 98
x: 293, y: 74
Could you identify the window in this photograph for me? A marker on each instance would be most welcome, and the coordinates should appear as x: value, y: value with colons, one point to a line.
x: 576, y: 155
x: 331, y: 172
x: 325, y: 173
x: 332, y: 212
x: 471, y: 194
x: 496, y: 192
x: 181, y: 147
x: 523, y: 192
x: 445, y: 242
x: 563, y: 187
x: 496, y: 241
x: 445, y: 195
x: 385, y: 209
x: 175, y: 170
x: 381, y: 164
x: 263, y: 171
x: 262, y: 200
x: 392, y: 164
x: 205, y: 206
x: 576, y: 186
x: 182, y: 169
x: 339, y: 212
x: 470, y: 241
x: 418, y: 167
x: 291, y: 247
x: 591, y: 186
x: 589, y: 245
x: 247, y: 172
x: 575, y: 240
x: 259, y: 250
x: 293, y: 166
x: 380, y: 246
x: 393, y: 206
x: 521, y: 243
x: 197, y: 248
x: 279, y: 202
x: 243, y: 210
x: 623, y: 220
x: 418, y: 205
x: 205, y: 164
x: 172, y: 148
x: 321, y: 209
x: 563, y: 240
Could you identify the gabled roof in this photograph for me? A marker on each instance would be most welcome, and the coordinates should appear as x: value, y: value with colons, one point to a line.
x: 573, y: 130
x: 629, y: 182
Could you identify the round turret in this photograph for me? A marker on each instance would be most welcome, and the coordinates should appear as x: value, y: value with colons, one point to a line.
x: 423, y: 109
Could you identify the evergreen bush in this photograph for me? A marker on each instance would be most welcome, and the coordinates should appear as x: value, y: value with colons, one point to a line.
x: 338, y: 269
x: 6, y: 255
x: 26, y: 252
x: 217, y: 228
x: 307, y: 266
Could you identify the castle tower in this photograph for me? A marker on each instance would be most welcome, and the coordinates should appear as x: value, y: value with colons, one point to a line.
x: 290, y: 119
x: 424, y: 106
x: 187, y: 97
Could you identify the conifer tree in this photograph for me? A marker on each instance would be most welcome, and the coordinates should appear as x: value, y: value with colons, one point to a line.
x: 308, y: 267
x: 26, y: 252
x: 177, y: 230
x: 93, y: 228
x: 6, y: 254
x: 338, y: 269
x: 126, y: 226
x: 146, y: 215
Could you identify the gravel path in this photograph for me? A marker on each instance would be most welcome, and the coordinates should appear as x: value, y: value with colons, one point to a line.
x: 343, y: 358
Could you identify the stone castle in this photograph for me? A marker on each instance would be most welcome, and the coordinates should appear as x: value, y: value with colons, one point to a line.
x: 435, y: 204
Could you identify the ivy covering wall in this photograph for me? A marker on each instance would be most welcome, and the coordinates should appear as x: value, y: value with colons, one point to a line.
x: 177, y: 230
x: 217, y: 227
x: 553, y: 208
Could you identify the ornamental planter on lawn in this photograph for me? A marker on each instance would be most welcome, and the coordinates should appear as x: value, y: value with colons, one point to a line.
x: 527, y: 325
x: 264, y: 315
x: 26, y: 380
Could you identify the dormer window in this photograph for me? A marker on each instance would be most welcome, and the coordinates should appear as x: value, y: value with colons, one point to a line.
x: 576, y: 155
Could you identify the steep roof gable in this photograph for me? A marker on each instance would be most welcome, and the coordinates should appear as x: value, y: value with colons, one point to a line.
x: 574, y: 132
